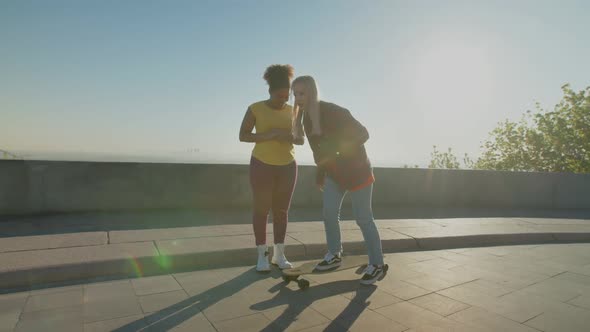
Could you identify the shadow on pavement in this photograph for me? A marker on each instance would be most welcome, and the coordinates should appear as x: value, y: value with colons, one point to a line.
x: 295, y: 300
x: 174, y: 315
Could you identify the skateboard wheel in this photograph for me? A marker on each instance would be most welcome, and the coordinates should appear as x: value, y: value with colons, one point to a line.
x: 303, y: 284
x: 288, y: 279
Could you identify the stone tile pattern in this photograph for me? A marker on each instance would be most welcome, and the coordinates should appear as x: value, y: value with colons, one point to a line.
x: 509, y: 288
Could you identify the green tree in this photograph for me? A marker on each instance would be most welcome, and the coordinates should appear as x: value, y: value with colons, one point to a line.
x: 543, y: 141
x: 546, y: 141
x: 443, y: 159
x: 7, y: 155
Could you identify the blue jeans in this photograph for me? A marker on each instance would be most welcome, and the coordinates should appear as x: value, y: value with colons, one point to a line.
x: 361, y: 204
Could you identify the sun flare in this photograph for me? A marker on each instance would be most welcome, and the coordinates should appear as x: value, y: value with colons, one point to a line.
x: 453, y: 75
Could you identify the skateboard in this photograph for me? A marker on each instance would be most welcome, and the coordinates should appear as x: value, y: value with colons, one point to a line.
x: 348, y: 262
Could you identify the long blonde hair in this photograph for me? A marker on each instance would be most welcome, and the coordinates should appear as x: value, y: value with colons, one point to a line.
x: 313, y: 104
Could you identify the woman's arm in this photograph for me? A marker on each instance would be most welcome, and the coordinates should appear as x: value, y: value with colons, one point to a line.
x: 247, y: 126
x: 284, y: 135
x: 352, y: 134
x: 320, y: 177
x: 298, y: 133
x: 353, y: 131
x: 294, y: 136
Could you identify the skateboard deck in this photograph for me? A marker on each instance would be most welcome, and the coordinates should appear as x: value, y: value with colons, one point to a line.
x: 348, y: 262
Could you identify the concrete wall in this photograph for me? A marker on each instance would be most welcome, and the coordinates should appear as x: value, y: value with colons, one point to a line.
x: 28, y: 187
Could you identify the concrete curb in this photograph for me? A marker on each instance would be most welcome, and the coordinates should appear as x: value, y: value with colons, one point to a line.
x: 161, y: 264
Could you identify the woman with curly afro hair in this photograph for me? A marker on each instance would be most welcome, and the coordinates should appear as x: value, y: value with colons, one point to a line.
x: 273, y: 170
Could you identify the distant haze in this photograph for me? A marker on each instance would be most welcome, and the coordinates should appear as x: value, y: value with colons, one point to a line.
x: 170, y: 81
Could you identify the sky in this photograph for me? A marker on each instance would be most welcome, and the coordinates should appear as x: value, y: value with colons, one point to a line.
x: 170, y: 81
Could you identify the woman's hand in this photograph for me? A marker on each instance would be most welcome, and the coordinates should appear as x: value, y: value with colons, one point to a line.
x: 283, y: 135
x: 320, y: 184
x: 320, y: 178
x: 270, y: 135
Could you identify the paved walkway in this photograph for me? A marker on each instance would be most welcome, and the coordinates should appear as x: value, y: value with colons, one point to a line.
x: 29, y: 261
x: 462, y: 274
x: 502, y: 288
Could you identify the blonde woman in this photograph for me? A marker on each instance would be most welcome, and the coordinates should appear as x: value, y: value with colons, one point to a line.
x: 337, y: 141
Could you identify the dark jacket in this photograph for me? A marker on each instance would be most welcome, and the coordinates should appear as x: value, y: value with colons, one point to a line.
x: 339, y: 151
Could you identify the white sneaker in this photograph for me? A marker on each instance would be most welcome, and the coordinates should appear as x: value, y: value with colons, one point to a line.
x: 262, y: 265
x: 278, y: 257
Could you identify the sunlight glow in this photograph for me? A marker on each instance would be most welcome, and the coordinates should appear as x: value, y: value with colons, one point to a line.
x: 453, y: 76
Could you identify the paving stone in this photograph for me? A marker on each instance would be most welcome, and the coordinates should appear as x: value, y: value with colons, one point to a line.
x: 52, y: 241
x: 108, y: 290
x: 54, y: 300
x: 334, y: 306
x: 564, y: 318
x: 488, y: 320
x: 439, y: 304
x: 256, y: 322
x: 109, y: 300
x: 581, y: 301
x: 373, y: 297
x: 295, y: 318
x: 227, y: 308
x: 11, y: 306
x: 365, y: 321
x: 61, y: 319
x: 153, y: 285
x: 134, y: 323
x: 159, y: 301
x: 412, y: 316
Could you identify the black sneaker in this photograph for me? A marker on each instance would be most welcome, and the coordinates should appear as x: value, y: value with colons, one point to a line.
x: 330, y: 262
x: 372, y: 274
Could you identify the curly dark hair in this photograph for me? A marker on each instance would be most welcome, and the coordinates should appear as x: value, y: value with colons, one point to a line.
x: 279, y: 76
